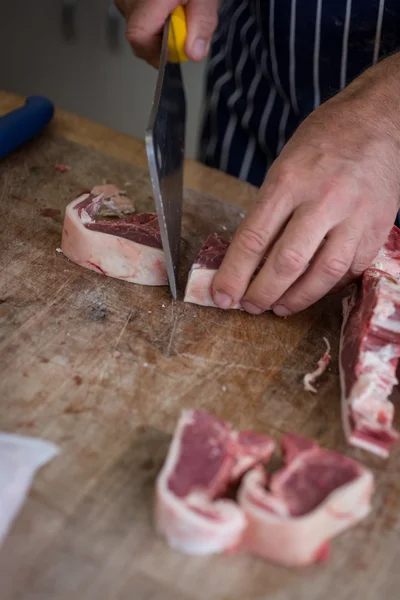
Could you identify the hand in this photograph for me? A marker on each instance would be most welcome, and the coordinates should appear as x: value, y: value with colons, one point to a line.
x: 327, y: 204
x: 146, y: 18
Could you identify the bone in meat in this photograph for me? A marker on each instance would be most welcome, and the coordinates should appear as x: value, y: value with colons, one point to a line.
x: 201, y: 275
x: 317, y: 495
x: 128, y: 248
x: 205, y: 457
x: 370, y: 350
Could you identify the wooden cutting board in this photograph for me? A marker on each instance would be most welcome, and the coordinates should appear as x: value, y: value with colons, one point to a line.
x: 103, y: 368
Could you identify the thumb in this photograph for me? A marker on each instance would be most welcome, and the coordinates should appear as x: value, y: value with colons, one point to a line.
x: 202, y: 20
x: 145, y: 21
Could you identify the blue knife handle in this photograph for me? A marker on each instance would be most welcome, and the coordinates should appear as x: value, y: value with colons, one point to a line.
x: 22, y: 124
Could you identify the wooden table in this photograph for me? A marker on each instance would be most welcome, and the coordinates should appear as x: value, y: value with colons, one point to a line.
x: 103, y: 368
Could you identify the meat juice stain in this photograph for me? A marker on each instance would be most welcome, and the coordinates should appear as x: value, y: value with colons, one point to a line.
x: 51, y: 213
x: 322, y: 554
x: 96, y: 267
x: 61, y: 168
x: 28, y: 424
x: 3, y: 311
x: 75, y: 410
x: 148, y: 464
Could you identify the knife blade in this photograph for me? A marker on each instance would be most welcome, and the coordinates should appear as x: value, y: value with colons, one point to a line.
x: 165, y: 146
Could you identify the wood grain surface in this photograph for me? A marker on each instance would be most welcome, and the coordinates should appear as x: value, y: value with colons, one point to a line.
x: 99, y: 137
x: 103, y: 368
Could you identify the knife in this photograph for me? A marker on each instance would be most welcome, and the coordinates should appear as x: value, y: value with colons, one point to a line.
x: 165, y: 142
x: 22, y: 124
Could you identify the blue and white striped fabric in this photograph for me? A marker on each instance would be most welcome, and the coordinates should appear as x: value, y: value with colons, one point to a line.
x: 274, y: 61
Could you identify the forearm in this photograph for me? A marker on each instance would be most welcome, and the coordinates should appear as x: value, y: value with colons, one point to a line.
x: 374, y: 96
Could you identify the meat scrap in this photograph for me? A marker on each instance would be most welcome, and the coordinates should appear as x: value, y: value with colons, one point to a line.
x: 323, y: 362
x: 205, y: 457
x: 129, y: 248
x: 292, y: 517
x: 62, y: 168
x: 204, y: 268
x: 288, y: 518
x: 370, y: 351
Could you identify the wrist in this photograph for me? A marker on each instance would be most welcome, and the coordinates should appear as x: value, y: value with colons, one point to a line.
x: 375, y: 97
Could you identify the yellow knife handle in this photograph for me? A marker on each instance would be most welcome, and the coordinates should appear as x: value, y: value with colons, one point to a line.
x: 177, y: 36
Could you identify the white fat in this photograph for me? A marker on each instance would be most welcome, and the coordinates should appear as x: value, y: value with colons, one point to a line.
x: 389, y: 325
x: 384, y: 308
x: 377, y: 358
x: 385, y: 262
x: 369, y: 397
x: 388, y: 301
x: 85, y: 218
x: 369, y: 394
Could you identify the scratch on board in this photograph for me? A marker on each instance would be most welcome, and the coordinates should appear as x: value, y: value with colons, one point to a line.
x: 191, y: 383
x: 173, y: 331
x: 114, y: 347
x: 121, y: 333
x: 138, y: 360
x: 229, y: 365
x: 38, y: 315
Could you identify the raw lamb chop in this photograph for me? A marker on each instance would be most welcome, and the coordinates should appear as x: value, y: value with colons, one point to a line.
x: 370, y: 350
x: 317, y: 495
x: 205, y: 457
x: 201, y: 275
x: 129, y: 248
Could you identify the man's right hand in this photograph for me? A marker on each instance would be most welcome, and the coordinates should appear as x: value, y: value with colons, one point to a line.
x: 145, y: 22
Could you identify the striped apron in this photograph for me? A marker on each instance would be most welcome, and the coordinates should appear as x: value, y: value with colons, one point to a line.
x: 272, y: 62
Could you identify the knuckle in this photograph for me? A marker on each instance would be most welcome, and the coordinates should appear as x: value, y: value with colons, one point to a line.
x: 334, y: 268
x: 226, y: 286
x: 135, y: 35
x: 252, y: 242
x: 229, y: 282
x: 285, y: 176
x: 289, y: 260
x: 301, y: 302
x: 299, y: 299
x: 261, y: 299
x: 207, y: 23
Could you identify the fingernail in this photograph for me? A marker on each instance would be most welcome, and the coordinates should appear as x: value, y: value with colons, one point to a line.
x: 222, y: 300
x: 199, y: 49
x: 281, y: 311
x: 252, y: 308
